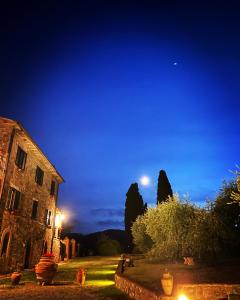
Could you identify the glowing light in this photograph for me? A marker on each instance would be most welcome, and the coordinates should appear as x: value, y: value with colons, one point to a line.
x: 182, y: 297
x: 99, y: 282
x: 59, y: 218
x: 145, y: 180
x: 102, y: 272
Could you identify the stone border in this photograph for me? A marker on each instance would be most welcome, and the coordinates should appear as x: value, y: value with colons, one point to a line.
x: 136, y: 291
x: 193, y: 291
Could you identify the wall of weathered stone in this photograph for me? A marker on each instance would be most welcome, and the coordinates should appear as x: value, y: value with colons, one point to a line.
x: 208, y: 291
x: 192, y: 291
x: 136, y: 291
x: 56, y: 249
x: 5, y: 135
x: 19, y: 223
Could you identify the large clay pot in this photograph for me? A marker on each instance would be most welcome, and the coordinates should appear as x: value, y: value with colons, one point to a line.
x: 81, y: 275
x: 167, y: 283
x: 15, y: 277
x: 46, y: 269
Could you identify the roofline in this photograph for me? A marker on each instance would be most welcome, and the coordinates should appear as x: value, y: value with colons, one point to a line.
x: 35, y: 144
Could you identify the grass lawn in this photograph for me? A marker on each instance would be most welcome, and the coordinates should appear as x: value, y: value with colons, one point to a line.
x: 99, y: 279
x: 149, y: 274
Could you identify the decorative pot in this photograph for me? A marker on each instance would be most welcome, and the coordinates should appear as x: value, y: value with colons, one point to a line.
x: 46, y: 269
x: 188, y: 260
x: 81, y: 275
x: 15, y: 277
x: 167, y: 283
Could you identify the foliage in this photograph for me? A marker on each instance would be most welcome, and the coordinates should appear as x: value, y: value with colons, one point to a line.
x: 235, y: 195
x: 164, y: 187
x: 177, y: 229
x: 140, y: 238
x: 106, y: 246
x: 228, y: 212
x: 134, y: 206
x: 204, y: 234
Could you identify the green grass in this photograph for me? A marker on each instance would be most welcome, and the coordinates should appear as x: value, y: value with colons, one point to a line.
x: 99, y: 275
x: 27, y: 276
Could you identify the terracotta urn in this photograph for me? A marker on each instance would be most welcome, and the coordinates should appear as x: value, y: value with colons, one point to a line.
x: 46, y: 269
x: 167, y: 283
x: 81, y: 275
x: 15, y: 277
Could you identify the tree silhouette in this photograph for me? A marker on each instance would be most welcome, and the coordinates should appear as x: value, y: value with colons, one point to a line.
x: 134, y: 206
x: 164, y: 187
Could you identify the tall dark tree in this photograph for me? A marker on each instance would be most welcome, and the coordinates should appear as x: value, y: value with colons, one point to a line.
x: 164, y: 187
x: 134, y: 206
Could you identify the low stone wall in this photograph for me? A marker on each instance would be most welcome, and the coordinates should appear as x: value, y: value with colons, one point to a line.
x: 192, y: 291
x: 208, y: 291
x: 136, y: 291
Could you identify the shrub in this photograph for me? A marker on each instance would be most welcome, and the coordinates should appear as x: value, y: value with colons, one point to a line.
x: 175, y: 229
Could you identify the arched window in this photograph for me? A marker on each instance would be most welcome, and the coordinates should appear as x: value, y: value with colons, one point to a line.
x: 5, y: 244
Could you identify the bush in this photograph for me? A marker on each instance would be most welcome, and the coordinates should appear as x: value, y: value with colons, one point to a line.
x: 175, y: 229
x: 106, y: 246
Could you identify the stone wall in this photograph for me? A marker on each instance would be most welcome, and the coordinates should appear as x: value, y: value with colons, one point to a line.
x: 192, y: 291
x: 27, y: 235
x: 136, y: 291
x: 208, y: 291
x: 5, y: 136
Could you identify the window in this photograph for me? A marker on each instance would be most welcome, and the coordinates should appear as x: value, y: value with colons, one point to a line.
x: 13, y: 199
x: 34, y: 209
x: 5, y: 244
x: 47, y: 217
x: 39, y: 176
x: 44, y: 247
x: 53, y: 187
x: 21, y: 158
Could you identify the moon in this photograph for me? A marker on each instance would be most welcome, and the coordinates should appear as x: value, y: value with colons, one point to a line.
x: 145, y: 180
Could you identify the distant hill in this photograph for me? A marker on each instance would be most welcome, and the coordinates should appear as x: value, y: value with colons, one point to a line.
x: 89, y: 242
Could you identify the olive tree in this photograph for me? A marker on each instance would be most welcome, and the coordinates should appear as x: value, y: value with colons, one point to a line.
x: 176, y: 229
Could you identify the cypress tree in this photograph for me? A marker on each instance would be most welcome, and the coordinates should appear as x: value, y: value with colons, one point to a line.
x: 164, y: 187
x: 134, y: 207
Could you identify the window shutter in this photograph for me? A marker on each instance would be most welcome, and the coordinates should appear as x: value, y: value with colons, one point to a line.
x: 34, y: 209
x: 16, y: 200
x: 52, y: 192
x: 46, y: 217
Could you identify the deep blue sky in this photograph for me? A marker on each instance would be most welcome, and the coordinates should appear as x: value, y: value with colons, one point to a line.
x: 113, y: 90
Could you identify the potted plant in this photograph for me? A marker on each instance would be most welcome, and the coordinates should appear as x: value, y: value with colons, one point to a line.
x: 46, y: 269
x: 15, y: 277
x: 81, y: 275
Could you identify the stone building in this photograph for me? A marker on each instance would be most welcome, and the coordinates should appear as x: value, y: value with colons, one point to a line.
x: 28, y: 198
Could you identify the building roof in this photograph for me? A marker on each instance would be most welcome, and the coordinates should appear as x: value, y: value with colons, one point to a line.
x: 33, y: 146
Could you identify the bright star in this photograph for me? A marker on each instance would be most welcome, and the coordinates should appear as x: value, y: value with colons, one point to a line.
x: 175, y: 63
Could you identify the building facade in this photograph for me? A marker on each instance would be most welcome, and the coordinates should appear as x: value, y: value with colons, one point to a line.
x: 28, y: 199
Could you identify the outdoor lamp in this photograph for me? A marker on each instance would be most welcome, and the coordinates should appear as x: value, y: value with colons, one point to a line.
x: 182, y: 297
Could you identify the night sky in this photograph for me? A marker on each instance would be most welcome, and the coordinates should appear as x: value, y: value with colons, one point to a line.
x: 113, y: 90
